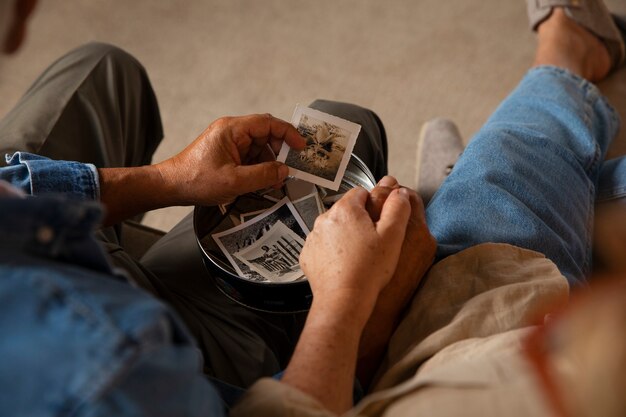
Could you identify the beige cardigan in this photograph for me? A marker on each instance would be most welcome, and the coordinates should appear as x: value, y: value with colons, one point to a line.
x: 457, y: 352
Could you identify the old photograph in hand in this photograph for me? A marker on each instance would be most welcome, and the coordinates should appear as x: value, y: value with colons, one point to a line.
x: 329, y: 144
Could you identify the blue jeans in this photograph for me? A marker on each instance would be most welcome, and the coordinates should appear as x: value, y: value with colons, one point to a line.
x: 530, y: 176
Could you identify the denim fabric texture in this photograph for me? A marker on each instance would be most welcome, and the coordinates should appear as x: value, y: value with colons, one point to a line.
x: 34, y: 174
x: 612, y: 184
x: 529, y: 176
x: 75, y: 338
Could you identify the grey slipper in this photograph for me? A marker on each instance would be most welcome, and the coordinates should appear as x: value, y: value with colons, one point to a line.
x: 438, y: 149
x: 591, y: 14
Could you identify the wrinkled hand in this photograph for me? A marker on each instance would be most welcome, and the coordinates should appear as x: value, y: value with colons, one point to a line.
x: 418, y: 248
x: 352, y: 258
x: 233, y: 156
x: 348, y: 259
x: 416, y: 257
x: 348, y: 253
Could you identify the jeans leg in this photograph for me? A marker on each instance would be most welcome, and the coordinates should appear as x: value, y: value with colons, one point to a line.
x: 371, y: 145
x: 528, y: 178
x: 94, y: 105
x: 612, y: 183
x: 609, y: 243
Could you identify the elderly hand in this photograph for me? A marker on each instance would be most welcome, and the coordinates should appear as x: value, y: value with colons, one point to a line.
x: 349, y: 258
x: 233, y: 156
x: 416, y: 257
x: 418, y: 249
x: 347, y: 255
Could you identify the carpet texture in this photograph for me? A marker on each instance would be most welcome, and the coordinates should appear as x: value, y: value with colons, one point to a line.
x: 408, y: 60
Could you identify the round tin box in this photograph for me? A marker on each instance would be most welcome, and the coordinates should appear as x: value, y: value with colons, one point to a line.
x: 271, y: 297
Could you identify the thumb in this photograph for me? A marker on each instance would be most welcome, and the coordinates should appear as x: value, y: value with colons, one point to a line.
x: 258, y: 176
x: 394, y: 218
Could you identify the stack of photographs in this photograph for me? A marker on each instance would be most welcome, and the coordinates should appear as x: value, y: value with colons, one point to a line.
x: 262, y: 234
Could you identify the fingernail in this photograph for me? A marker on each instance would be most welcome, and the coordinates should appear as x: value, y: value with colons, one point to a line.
x: 404, y: 193
x: 387, y: 181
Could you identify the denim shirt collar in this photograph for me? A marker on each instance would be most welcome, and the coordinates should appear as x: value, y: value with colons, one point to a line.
x: 53, y: 227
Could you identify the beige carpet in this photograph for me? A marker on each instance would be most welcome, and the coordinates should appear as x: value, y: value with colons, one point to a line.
x: 408, y: 60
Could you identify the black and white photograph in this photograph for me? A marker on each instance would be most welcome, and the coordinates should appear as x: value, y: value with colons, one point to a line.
x: 244, y: 217
x: 240, y: 237
x: 275, y: 255
x: 272, y: 194
x: 329, y: 144
x: 296, y: 189
x: 309, y: 207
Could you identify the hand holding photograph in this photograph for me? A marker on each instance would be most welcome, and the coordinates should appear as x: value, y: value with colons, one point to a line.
x: 329, y: 144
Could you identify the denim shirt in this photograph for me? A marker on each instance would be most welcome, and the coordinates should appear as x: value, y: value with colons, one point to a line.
x: 75, y: 338
x: 36, y: 175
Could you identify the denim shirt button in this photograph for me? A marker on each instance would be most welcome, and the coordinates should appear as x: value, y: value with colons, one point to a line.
x: 45, y: 234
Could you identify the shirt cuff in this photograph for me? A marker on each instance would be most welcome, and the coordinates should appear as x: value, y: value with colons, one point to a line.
x: 271, y: 398
x: 37, y: 175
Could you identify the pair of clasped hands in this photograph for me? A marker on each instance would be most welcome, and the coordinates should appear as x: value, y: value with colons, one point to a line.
x: 355, y: 248
x: 364, y: 257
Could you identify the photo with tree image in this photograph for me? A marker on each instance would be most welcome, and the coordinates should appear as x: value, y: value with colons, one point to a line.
x: 325, y: 147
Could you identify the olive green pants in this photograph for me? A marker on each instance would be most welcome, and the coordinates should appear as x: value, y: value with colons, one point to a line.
x: 96, y: 105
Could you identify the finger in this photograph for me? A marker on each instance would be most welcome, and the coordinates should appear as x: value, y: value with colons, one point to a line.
x: 356, y: 197
x: 250, y: 178
x: 275, y: 145
x: 418, y: 214
x: 376, y: 199
x: 258, y: 154
x: 252, y: 155
x: 267, y: 154
x: 388, y: 181
x: 350, y: 210
x: 267, y: 128
x: 394, y: 218
x: 379, y: 195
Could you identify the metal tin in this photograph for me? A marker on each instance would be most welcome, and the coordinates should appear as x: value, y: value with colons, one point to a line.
x: 270, y: 297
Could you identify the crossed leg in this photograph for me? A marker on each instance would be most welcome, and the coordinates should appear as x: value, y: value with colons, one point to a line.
x: 529, y: 177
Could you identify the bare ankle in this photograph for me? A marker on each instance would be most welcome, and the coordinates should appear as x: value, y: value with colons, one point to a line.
x: 563, y: 43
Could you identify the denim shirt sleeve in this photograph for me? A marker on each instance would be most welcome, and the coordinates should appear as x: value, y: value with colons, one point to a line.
x: 34, y: 174
x: 77, y: 340
x: 82, y: 345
